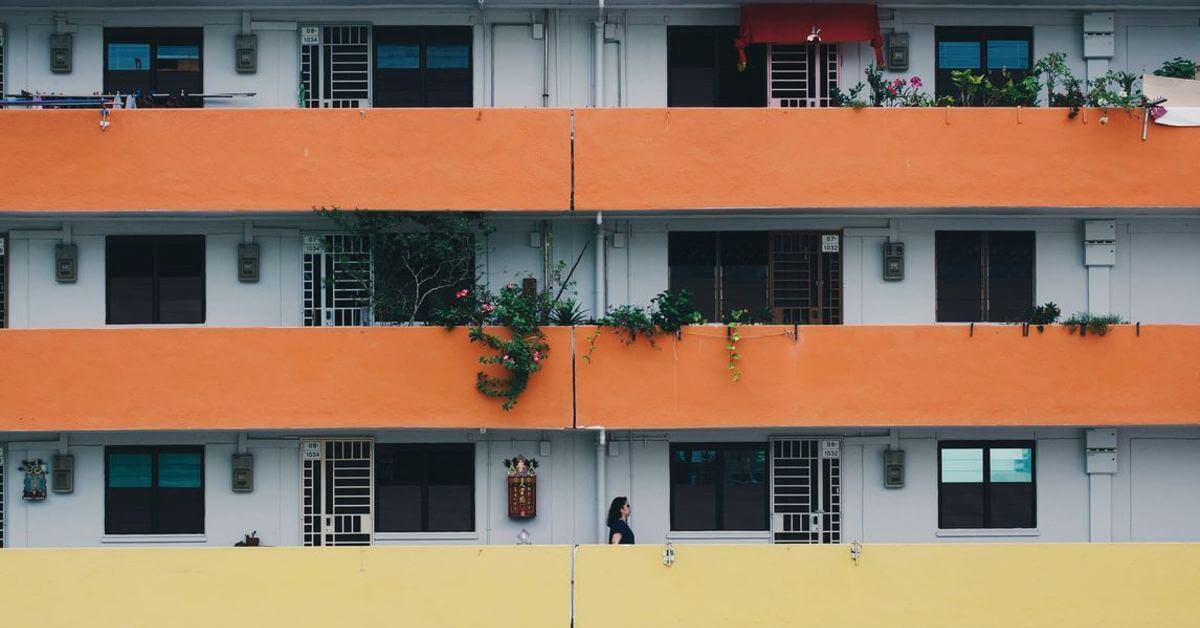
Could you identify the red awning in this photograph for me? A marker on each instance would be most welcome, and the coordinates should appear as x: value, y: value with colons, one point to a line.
x: 794, y: 23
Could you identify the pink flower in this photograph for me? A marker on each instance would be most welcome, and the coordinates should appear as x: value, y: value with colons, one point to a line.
x: 900, y: 82
x: 507, y: 359
x: 461, y: 294
x: 488, y: 308
x: 510, y: 286
x: 1157, y: 111
x: 536, y: 356
x: 892, y: 90
x: 916, y: 81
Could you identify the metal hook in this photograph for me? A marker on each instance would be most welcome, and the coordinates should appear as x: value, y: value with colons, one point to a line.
x: 971, y: 332
x: 1138, y: 328
x: 668, y: 555
x: 855, y: 551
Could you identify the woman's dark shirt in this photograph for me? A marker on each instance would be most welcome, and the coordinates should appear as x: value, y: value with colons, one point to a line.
x: 620, y: 527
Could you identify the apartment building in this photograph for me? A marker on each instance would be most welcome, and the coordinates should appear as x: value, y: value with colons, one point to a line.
x: 187, y: 361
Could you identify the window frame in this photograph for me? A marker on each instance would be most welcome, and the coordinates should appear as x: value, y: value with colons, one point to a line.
x: 425, y: 450
x: 155, y: 37
x: 756, y: 55
x: 423, y: 37
x: 719, y: 504
x: 985, y: 311
x: 986, y: 446
x: 981, y: 34
x: 157, y: 241
x: 154, y: 451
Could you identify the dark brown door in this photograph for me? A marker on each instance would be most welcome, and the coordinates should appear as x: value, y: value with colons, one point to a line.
x: 806, y: 277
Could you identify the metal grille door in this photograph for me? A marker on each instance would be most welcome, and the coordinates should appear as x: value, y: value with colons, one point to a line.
x: 806, y: 495
x: 806, y: 277
x: 802, y: 75
x: 2, y: 61
x: 335, y: 66
x: 336, y: 281
x: 338, y: 479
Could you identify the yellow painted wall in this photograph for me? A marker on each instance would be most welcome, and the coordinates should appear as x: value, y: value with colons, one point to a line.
x: 377, y: 587
x: 894, y: 586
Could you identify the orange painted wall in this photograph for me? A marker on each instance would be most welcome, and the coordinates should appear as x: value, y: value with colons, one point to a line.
x: 893, y: 376
x: 125, y: 379
x: 276, y: 159
x: 655, y: 159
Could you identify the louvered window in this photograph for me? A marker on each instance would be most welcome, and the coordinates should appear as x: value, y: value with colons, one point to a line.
x: 702, y: 69
x: 335, y: 66
x: 802, y: 75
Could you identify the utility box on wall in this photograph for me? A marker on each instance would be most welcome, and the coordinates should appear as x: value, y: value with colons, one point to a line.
x: 243, y: 473
x: 248, y: 263
x: 893, y: 468
x: 60, y: 53
x: 893, y: 261
x: 246, y: 54
x: 66, y: 263
x: 897, y: 52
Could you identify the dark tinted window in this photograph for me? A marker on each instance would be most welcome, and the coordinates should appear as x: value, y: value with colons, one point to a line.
x: 984, y: 276
x: 992, y: 50
x: 155, y: 279
x: 702, y: 69
x: 719, y: 487
x: 419, y: 66
x: 990, y: 484
x: 725, y: 270
x: 145, y: 61
x: 154, y: 490
x: 424, y: 488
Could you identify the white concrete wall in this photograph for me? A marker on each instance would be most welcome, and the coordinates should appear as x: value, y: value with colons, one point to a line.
x: 37, y: 300
x: 513, y: 78
x: 1152, y: 496
x: 1156, y: 278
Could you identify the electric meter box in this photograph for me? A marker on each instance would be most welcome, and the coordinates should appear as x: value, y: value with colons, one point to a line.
x: 243, y: 473
x: 893, y: 261
x: 62, y: 474
x: 893, y: 468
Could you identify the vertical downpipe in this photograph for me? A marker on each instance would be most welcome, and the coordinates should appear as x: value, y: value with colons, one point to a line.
x: 601, y: 306
x: 601, y: 489
x: 598, y: 62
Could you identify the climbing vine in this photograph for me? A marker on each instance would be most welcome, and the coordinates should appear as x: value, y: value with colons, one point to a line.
x: 732, y: 322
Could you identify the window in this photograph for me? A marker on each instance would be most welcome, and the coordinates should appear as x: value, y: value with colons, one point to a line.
x: 992, y: 51
x: 784, y: 277
x: 155, y: 279
x: 987, y: 484
x: 984, y: 276
x: 424, y: 488
x: 154, y: 490
x: 719, y: 486
x: 702, y: 69
x: 164, y: 61
x: 426, y: 66
x: 724, y: 271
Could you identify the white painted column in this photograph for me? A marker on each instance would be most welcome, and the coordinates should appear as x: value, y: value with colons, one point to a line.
x: 1099, y: 255
x: 1101, y: 452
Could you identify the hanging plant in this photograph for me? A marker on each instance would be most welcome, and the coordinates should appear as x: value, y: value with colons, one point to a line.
x: 670, y: 310
x: 733, y: 320
x: 523, y: 352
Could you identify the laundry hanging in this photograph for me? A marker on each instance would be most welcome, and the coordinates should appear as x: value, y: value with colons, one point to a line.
x: 801, y: 23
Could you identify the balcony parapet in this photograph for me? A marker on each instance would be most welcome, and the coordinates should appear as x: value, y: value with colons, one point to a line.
x: 293, y: 160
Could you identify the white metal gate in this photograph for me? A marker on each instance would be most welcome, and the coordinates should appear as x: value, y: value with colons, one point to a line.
x: 801, y: 75
x: 338, y: 485
x: 337, y: 289
x: 2, y: 92
x: 806, y: 495
x: 335, y: 66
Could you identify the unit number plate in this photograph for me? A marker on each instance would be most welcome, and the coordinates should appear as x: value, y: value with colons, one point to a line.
x: 313, y: 244
x: 830, y: 244
x: 831, y: 449
x: 312, y: 450
x: 310, y: 36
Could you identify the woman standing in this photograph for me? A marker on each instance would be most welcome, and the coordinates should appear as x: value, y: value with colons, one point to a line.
x: 619, y: 532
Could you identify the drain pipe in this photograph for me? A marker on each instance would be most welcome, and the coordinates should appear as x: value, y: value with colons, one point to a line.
x: 601, y: 306
x: 598, y: 60
x: 546, y: 58
x: 601, y: 488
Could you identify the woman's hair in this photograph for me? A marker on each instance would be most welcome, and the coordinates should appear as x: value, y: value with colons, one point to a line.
x: 614, y: 511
